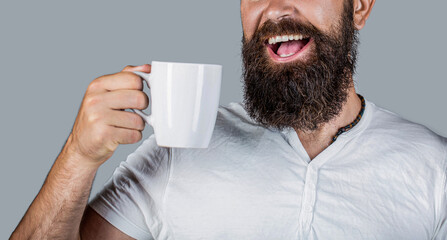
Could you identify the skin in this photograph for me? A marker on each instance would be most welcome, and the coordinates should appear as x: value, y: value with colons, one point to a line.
x: 59, y: 210
x: 100, y: 126
x: 321, y: 14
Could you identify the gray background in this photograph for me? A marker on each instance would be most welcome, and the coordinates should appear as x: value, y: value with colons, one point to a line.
x: 51, y: 50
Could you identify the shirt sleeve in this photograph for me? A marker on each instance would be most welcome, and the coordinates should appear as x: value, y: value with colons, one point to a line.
x: 132, y: 199
x: 441, y: 228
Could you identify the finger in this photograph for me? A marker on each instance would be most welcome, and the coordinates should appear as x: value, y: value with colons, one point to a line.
x: 142, y: 68
x: 124, y: 99
x: 121, y: 80
x: 126, y: 120
x: 126, y: 136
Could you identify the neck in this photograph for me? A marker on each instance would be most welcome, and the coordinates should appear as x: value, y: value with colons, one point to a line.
x: 316, y: 141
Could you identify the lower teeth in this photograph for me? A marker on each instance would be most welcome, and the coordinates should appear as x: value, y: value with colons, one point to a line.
x: 286, y: 55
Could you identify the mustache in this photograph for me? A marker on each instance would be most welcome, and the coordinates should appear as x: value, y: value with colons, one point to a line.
x: 284, y: 27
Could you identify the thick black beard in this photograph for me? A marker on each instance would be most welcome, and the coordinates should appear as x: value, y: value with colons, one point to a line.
x: 303, y: 94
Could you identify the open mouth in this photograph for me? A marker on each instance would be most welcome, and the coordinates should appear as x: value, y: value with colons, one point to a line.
x: 287, y: 47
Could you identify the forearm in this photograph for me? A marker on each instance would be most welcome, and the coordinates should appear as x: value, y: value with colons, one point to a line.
x: 57, y: 210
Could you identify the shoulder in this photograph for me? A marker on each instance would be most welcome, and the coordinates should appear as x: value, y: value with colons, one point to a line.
x: 234, y: 122
x: 390, y: 129
x: 234, y: 113
x: 235, y: 134
x: 148, y: 151
x: 149, y: 162
x: 393, y: 125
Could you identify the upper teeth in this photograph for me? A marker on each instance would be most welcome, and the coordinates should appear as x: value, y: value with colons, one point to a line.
x: 285, y: 38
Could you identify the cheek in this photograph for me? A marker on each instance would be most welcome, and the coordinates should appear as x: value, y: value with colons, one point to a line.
x: 323, y: 14
x: 248, y: 28
x: 250, y: 17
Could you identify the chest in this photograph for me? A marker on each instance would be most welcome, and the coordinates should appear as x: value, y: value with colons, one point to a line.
x: 275, y: 196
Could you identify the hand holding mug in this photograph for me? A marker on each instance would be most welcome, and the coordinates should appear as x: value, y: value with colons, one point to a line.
x: 185, y: 99
x: 101, y: 124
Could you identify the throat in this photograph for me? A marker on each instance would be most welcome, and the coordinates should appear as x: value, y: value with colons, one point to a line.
x: 314, y: 143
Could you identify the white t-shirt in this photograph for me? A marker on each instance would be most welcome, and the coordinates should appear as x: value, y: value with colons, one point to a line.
x: 383, y: 179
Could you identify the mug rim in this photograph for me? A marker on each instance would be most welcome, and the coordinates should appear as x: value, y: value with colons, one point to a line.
x: 183, y: 63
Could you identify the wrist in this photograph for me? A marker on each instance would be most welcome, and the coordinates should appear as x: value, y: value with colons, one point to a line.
x: 72, y: 157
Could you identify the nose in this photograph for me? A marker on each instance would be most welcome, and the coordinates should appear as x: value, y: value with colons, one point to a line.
x: 280, y: 9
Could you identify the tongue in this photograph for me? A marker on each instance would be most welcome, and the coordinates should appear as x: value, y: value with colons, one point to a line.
x: 290, y: 47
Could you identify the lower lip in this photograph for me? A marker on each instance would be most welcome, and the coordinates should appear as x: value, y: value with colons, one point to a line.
x: 295, y: 56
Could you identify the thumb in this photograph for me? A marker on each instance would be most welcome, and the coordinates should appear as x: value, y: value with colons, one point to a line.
x: 142, y: 68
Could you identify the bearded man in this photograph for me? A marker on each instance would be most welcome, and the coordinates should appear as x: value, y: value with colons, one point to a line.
x: 304, y: 157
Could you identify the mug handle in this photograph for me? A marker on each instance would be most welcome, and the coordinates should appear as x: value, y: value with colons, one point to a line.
x: 147, y: 118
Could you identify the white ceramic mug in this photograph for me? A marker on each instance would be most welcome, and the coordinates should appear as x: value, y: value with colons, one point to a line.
x: 184, y: 103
